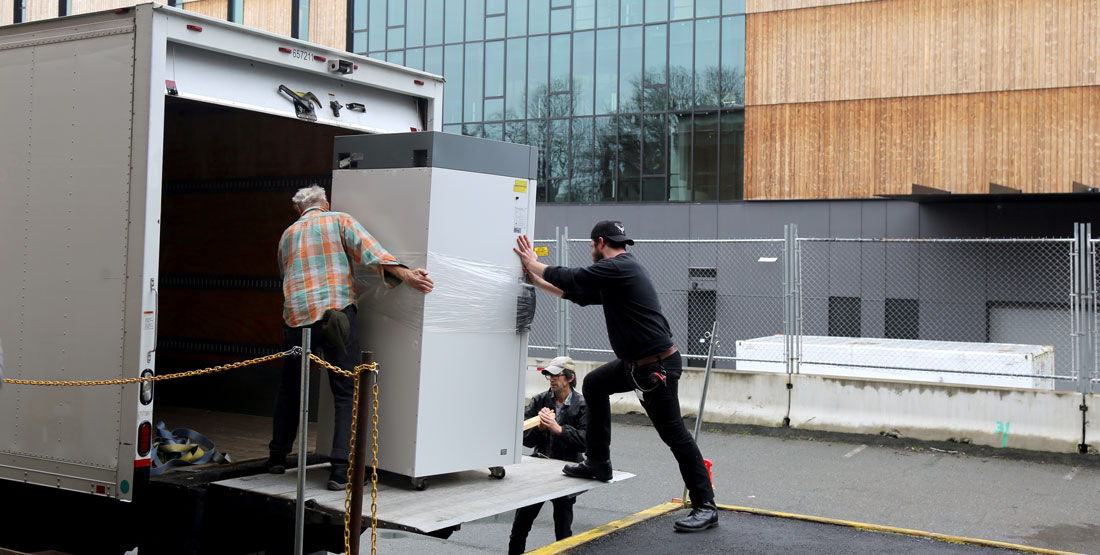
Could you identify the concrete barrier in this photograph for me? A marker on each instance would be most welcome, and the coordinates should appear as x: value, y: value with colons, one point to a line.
x: 1033, y: 419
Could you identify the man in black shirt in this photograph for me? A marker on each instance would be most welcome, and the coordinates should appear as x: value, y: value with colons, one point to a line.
x: 647, y: 361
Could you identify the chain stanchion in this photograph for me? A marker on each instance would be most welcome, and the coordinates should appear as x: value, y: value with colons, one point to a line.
x: 296, y: 351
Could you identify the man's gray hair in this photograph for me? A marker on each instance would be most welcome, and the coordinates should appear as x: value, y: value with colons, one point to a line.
x: 309, y: 196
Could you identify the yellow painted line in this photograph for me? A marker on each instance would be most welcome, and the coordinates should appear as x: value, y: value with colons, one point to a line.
x: 565, y: 545
x: 894, y: 530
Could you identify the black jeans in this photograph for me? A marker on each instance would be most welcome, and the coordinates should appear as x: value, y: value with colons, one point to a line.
x: 343, y: 388
x: 525, y: 517
x: 662, y: 404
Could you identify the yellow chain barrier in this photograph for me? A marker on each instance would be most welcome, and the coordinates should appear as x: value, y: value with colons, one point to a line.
x: 371, y: 367
x: 296, y: 351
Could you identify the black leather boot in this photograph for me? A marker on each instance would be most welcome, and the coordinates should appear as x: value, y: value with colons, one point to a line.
x: 701, y: 518
x: 591, y: 470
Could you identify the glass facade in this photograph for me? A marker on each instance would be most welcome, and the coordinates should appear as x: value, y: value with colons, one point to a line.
x: 626, y: 100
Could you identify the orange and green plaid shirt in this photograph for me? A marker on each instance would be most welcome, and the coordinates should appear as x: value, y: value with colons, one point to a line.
x: 313, y: 260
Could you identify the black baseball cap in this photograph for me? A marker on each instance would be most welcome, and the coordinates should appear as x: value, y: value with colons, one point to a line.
x: 613, y: 230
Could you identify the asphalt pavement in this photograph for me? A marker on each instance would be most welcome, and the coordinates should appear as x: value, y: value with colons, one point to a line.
x: 1041, y: 500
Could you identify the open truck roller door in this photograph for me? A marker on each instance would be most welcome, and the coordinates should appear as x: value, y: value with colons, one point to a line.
x: 146, y: 168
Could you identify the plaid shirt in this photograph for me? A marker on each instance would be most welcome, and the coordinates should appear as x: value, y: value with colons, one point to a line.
x: 316, y: 272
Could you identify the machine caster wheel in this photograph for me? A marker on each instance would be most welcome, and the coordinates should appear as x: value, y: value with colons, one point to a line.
x: 419, y: 484
x: 497, y: 472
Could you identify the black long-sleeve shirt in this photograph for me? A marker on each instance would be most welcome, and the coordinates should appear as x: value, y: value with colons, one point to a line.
x: 635, y: 325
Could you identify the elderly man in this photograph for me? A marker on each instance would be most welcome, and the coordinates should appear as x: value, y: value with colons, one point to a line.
x: 560, y: 435
x: 646, y: 360
x: 315, y: 256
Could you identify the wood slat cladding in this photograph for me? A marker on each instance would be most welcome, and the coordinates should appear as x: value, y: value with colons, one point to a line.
x: 920, y: 47
x: 269, y: 15
x: 7, y: 13
x: 1038, y: 141
x: 39, y: 9
x: 213, y: 8
x: 89, y: 6
x: 759, y: 6
x: 327, y: 23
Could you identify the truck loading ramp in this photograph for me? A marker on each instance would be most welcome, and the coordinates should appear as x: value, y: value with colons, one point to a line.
x: 449, y: 500
x: 752, y: 531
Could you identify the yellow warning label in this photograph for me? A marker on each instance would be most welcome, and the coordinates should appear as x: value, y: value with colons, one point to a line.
x: 521, y: 186
x: 542, y: 251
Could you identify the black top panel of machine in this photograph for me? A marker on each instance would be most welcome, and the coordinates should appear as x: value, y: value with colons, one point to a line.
x: 433, y: 149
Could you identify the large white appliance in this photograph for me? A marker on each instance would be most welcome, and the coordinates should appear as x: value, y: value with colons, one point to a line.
x: 451, y: 362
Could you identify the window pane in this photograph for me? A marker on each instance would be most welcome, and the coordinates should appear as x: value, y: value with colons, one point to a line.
x: 539, y: 17
x: 396, y: 57
x: 682, y: 9
x: 707, y: 85
x: 581, y: 183
x: 454, y: 20
x: 359, y: 13
x: 517, y: 19
x: 433, y: 60
x: 515, y: 132
x: 493, y: 131
x: 561, y: 20
x: 452, y: 90
x: 538, y: 57
x: 679, y: 157
x: 607, y: 13
x: 583, y: 46
x: 584, y: 14
x: 396, y: 38
x: 559, y: 63
x: 471, y: 108
x: 516, y: 75
x: 653, y: 144
x: 559, y: 160
x: 494, y: 68
x: 653, y: 189
x: 707, y: 8
x: 377, y: 55
x: 536, y: 137
x: 433, y: 22
x: 733, y: 61
x: 359, y: 43
x: 733, y: 6
x: 475, y: 19
x: 494, y: 109
x: 680, y: 77
x: 376, y: 37
x: 733, y: 156
x: 656, y: 11
x: 414, y: 58
x: 456, y: 129
x: 606, y: 156
x: 656, y: 58
x: 630, y: 69
x: 630, y: 158
x: 494, y: 27
x: 473, y: 129
x: 414, y: 28
x: 495, y: 6
x: 705, y: 157
x: 561, y: 3
x: 607, y: 68
x: 397, y: 12
x: 631, y: 12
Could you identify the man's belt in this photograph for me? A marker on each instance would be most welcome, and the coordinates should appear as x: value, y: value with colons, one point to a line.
x: 650, y: 360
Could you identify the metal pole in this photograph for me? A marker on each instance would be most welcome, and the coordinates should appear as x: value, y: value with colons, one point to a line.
x: 359, y: 467
x: 567, y: 326
x: 303, y: 422
x: 706, y: 384
x: 561, y: 302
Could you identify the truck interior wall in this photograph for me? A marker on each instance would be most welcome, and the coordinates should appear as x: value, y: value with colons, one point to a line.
x: 228, y: 178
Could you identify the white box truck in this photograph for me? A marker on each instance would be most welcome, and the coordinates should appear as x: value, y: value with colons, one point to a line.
x: 147, y: 159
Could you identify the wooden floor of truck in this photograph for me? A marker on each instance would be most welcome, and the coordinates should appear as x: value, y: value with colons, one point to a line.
x: 243, y: 436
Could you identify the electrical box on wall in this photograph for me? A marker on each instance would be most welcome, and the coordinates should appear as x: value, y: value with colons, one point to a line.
x: 451, y: 362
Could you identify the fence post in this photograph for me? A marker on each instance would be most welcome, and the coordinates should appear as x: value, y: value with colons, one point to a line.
x: 567, y: 326
x: 792, y: 304
x: 1083, y: 334
x: 560, y: 320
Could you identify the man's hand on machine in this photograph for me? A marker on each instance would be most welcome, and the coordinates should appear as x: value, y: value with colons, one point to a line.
x: 417, y: 279
x: 525, y: 251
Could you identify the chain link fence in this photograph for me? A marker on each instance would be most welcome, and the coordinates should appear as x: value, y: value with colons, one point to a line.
x: 966, y: 311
